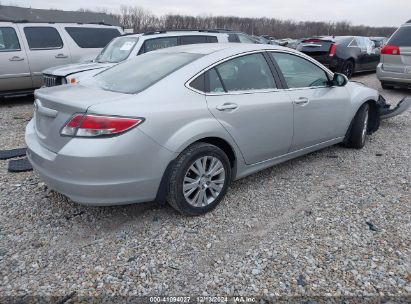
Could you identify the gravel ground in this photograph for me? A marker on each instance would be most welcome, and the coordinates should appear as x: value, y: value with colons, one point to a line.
x: 333, y: 223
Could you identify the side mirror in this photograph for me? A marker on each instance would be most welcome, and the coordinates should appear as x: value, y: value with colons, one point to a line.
x: 339, y: 80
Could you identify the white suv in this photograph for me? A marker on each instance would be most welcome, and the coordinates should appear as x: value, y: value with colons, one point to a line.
x: 127, y: 47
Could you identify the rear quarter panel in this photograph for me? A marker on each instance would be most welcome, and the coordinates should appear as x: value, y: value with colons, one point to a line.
x: 175, y: 116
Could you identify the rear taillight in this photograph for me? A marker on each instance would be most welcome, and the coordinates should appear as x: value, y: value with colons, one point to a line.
x: 391, y: 50
x: 333, y: 49
x: 88, y: 125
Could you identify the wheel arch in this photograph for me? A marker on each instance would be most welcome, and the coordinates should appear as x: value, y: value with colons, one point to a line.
x: 374, y: 117
x: 223, y: 144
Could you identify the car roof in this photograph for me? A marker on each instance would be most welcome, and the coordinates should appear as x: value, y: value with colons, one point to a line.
x: 173, y: 33
x: 209, y: 48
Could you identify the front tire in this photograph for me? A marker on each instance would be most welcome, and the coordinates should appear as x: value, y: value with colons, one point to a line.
x: 358, y: 132
x: 199, y: 179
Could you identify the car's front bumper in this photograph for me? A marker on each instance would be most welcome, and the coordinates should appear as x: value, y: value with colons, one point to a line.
x: 100, y: 172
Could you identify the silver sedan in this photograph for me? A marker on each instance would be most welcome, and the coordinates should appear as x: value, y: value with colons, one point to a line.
x: 180, y: 124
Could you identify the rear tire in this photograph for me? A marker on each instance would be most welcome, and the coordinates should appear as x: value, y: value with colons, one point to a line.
x: 357, y: 134
x: 348, y: 68
x: 199, y: 179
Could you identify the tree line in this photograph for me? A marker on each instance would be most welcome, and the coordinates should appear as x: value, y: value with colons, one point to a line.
x: 142, y: 20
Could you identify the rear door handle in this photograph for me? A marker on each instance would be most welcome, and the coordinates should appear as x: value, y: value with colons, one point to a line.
x: 16, y: 58
x: 227, y: 106
x: 61, y: 56
x: 301, y: 101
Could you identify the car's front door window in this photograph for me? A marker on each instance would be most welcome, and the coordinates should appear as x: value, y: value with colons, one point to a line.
x: 299, y: 72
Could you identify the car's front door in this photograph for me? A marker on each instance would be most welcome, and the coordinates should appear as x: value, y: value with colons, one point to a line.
x: 45, y: 48
x: 14, y: 70
x: 320, y: 111
x: 243, y: 96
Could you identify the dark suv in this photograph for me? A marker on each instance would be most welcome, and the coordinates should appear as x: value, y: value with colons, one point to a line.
x: 343, y: 54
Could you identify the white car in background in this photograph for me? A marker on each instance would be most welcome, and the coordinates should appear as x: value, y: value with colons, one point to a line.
x: 127, y: 47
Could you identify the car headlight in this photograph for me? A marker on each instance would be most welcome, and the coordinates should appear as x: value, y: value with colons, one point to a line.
x: 63, y: 80
x: 71, y: 80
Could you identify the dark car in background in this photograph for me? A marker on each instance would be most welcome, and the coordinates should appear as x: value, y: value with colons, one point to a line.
x: 379, y: 41
x: 343, y: 54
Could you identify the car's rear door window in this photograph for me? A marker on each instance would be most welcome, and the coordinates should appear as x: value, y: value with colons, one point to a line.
x: 233, y: 38
x: 192, y: 39
x: 402, y: 37
x: 91, y: 37
x: 215, y: 84
x: 8, y: 40
x: 246, y: 73
x: 43, y: 37
x: 299, y: 72
x: 158, y: 43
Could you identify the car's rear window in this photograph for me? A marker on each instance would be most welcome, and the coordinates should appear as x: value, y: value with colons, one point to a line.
x: 133, y: 76
x: 92, y: 37
x: 402, y: 37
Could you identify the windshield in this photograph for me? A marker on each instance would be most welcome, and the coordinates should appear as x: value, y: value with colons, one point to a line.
x: 135, y: 75
x: 117, y: 50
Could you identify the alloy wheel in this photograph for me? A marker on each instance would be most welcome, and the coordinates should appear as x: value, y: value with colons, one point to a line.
x: 204, y: 181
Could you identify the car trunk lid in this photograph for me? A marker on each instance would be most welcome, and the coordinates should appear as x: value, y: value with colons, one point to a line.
x: 55, y: 106
x: 316, y: 48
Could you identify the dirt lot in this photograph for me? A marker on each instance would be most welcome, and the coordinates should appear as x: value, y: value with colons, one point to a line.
x: 335, y: 222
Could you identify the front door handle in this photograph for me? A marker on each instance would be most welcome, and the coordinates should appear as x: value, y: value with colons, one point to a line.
x: 301, y: 101
x: 227, y: 106
x: 16, y: 58
x: 61, y: 56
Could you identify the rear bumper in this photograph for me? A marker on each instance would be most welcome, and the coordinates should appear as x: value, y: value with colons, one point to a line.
x: 99, y: 173
x: 393, y: 77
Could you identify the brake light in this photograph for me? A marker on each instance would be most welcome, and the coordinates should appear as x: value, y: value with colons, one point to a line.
x: 391, y: 50
x: 333, y: 49
x: 88, y: 125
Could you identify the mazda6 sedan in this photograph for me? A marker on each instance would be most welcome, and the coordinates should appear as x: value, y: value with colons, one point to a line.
x: 180, y: 124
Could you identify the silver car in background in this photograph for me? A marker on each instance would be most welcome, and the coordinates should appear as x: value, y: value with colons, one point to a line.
x: 180, y: 124
x: 395, y: 66
x: 26, y: 49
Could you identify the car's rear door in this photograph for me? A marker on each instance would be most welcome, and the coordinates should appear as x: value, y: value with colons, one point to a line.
x: 320, y: 111
x: 14, y: 71
x: 244, y: 98
x: 45, y: 48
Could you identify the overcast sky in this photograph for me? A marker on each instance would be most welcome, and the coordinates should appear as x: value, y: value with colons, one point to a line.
x: 367, y: 12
